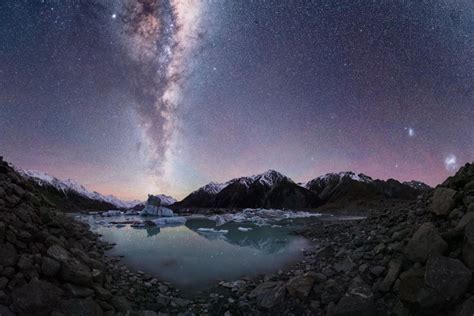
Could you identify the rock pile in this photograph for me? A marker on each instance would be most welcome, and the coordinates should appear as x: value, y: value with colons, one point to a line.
x: 52, y: 264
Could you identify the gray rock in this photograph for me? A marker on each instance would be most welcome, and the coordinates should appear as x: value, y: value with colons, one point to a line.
x: 25, y: 263
x: 78, y: 291
x: 300, y: 286
x: 80, y: 307
x: 121, y: 304
x: 448, y: 277
x: 468, y: 247
x: 345, y: 265
x: 411, y: 285
x: 2, y: 231
x: 394, y: 268
x: 443, y: 201
x: 470, y: 208
x: 467, y: 308
x: 102, y: 293
x: 50, y: 267
x: 58, y: 253
x: 76, y: 272
x: 377, y: 270
x: 38, y: 296
x: 425, y: 241
x: 4, y: 311
x: 8, y: 255
x: 464, y: 221
x: 3, y: 282
x: 353, y: 306
x: 269, y: 294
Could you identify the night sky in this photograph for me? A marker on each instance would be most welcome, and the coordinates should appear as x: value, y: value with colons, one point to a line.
x: 145, y: 96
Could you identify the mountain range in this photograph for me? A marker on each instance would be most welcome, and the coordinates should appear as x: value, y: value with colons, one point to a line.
x: 71, y: 196
x: 270, y: 189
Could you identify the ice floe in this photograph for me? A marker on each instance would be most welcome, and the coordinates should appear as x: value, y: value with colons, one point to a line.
x: 163, y: 221
x: 260, y: 217
x: 111, y: 213
x: 244, y: 229
x: 212, y: 230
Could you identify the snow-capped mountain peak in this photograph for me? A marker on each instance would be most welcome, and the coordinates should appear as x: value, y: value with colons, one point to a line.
x: 417, y: 185
x: 340, y: 176
x: 270, y: 177
x: 43, y: 179
x: 213, y: 187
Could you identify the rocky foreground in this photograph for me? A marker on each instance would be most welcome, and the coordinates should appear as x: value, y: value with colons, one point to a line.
x: 408, y: 258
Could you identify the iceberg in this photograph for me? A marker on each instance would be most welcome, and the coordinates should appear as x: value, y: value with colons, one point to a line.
x: 244, y: 229
x: 163, y: 221
x: 155, y: 206
x: 151, y: 210
x: 110, y: 213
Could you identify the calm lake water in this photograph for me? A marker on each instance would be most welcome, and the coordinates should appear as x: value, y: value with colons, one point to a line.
x: 196, y: 255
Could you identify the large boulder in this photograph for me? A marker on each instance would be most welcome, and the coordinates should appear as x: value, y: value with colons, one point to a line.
x: 37, y: 296
x: 448, y: 277
x: 394, y: 268
x: 411, y: 285
x: 76, y: 272
x: 80, y: 307
x: 300, y: 286
x: 425, y: 242
x: 468, y: 247
x: 50, y: 267
x: 443, y: 200
x: 269, y: 294
x: 58, y: 253
x: 467, y: 308
x: 121, y: 304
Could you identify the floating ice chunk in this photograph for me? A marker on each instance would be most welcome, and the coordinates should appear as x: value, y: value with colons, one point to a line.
x: 110, y: 213
x: 222, y: 219
x: 244, y: 229
x: 212, y: 230
x: 103, y: 223
x: 132, y: 212
x: 157, y: 211
x: 178, y: 220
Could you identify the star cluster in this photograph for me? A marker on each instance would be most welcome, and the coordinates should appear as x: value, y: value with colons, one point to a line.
x: 136, y: 97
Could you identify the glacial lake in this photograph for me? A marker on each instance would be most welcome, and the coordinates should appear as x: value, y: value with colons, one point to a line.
x: 197, y: 255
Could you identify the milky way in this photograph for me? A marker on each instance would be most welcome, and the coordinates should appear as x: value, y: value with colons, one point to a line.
x: 134, y: 97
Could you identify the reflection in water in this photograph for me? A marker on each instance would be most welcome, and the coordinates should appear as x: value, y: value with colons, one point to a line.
x: 193, y: 260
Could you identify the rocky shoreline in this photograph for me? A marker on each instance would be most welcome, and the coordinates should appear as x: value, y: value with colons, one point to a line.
x: 405, y: 258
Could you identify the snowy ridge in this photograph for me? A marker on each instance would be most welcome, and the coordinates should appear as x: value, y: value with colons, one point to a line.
x: 213, y: 187
x: 417, y: 185
x: 42, y: 178
x: 268, y: 178
x: 345, y: 174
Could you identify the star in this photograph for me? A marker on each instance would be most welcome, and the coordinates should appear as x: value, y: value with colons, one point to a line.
x: 114, y: 16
